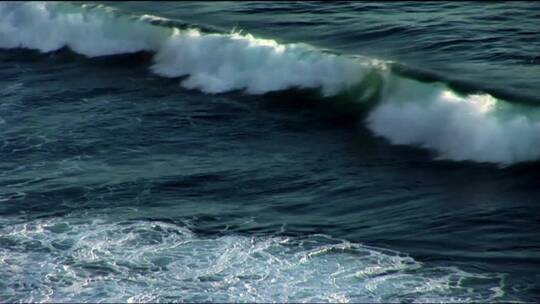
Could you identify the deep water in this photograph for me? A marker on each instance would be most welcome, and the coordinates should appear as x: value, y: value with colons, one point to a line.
x: 361, y: 152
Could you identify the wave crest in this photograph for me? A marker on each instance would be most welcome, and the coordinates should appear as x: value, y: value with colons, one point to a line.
x: 216, y: 63
x: 475, y: 127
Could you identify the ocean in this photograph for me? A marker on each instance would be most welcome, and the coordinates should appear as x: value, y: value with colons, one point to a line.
x: 270, y: 152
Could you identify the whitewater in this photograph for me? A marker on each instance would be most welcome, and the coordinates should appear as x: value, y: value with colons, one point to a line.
x: 269, y: 152
x: 459, y: 127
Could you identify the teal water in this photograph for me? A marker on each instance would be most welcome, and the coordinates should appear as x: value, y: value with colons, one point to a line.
x: 269, y: 152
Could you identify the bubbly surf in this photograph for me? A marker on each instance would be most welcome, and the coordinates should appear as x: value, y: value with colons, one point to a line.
x: 73, y: 260
x: 146, y: 159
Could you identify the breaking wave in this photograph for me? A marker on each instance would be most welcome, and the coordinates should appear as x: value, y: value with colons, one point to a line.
x: 473, y: 127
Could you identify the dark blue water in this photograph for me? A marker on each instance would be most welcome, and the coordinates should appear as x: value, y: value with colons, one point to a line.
x: 361, y: 152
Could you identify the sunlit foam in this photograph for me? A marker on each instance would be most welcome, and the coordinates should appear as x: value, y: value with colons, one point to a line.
x: 455, y: 127
x: 478, y: 103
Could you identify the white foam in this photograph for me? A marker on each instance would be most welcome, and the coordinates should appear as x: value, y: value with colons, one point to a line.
x: 73, y: 259
x: 412, y: 113
x: 472, y: 127
x: 216, y: 63
x: 51, y: 26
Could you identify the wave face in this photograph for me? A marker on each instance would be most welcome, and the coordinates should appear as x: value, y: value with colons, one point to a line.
x: 475, y: 127
x: 72, y: 259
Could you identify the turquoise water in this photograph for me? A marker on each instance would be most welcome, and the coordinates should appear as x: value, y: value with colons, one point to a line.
x: 269, y: 152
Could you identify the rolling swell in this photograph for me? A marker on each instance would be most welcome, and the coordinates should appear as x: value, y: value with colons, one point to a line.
x: 457, y: 126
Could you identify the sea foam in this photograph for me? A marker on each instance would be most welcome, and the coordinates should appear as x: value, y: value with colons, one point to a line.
x: 475, y: 127
x: 74, y: 259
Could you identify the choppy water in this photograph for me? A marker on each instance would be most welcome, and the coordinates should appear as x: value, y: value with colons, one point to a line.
x: 269, y: 152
